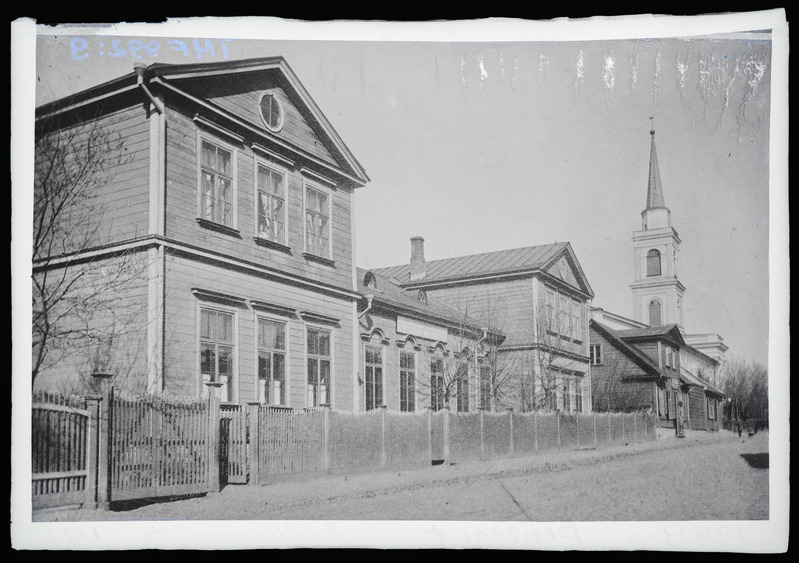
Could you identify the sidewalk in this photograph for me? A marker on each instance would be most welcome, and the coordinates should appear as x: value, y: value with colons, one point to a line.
x: 233, y: 501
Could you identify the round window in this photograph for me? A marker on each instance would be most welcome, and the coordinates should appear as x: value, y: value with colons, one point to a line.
x: 271, y: 111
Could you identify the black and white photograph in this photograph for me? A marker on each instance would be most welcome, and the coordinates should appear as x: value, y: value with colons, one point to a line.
x: 468, y: 284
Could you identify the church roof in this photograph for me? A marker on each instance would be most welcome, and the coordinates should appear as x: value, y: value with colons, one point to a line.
x: 671, y: 331
x: 654, y: 192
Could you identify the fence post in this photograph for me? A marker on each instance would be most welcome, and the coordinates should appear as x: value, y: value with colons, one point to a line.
x: 577, y: 425
x: 445, y: 433
x: 326, y: 437
x: 482, y: 435
x: 510, y: 424
x: 535, y: 428
x: 595, y: 440
x: 635, y: 427
x: 213, y: 436
x: 622, y: 427
x: 253, y: 429
x: 104, y: 436
x: 383, y: 455
x: 610, y: 432
x: 558, y: 427
x: 93, y: 405
x: 429, y: 435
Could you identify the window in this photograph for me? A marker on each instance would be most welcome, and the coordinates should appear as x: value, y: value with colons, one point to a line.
x: 216, y: 184
x: 563, y: 315
x: 271, y: 111
x: 436, y: 384
x: 271, y: 362
x: 318, y: 350
x: 653, y: 262
x: 654, y: 313
x: 565, y: 396
x: 578, y: 395
x: 595, y: 352
x: 271, y: 201
x: 373, y: 373
x: 577, y: 327
x: 462, y: 387
x: 217, y: 348
x: 407, y: 381
x: 485, y: 385
x: 663, y: 404
x: 317, y: 222
x: 711, y: 409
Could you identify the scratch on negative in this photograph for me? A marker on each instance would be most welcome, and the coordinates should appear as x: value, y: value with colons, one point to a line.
x: 513, y: 498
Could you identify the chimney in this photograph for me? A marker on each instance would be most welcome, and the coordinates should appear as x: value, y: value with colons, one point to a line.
x: 418, y: 268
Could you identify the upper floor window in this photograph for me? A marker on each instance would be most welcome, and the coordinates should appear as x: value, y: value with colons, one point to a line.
x: 653, y: 262
x: 217, y: 184
x: 595, y: 351
x: 271, y: 111
x: 271, y: 202
x: 317, y: 222
x: 217, y: 350
x: 271, y: 362
x: 319, y: 361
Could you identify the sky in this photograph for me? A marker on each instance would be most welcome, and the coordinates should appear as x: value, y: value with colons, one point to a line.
x: 489, y: 145
x: 505, y: 134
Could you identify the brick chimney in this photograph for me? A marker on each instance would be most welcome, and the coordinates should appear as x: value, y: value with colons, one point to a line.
x: 418, y: 268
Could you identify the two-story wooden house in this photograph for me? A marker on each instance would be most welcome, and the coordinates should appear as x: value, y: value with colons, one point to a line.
x: 233, y: 191
x: 537, y: 297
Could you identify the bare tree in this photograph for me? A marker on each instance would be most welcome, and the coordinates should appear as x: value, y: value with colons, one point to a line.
x: 79, y: 304
x: 746, y: 384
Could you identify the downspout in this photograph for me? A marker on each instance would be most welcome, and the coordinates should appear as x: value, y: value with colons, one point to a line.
x: 369, y: 298
x: 477, y: 369
x: 140, y: 69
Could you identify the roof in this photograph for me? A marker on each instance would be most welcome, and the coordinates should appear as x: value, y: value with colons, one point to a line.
x: 671, y: 331
x: 501, y: 262
x: 654, y: 192
x: 641, y: 359
x: 390, y: 294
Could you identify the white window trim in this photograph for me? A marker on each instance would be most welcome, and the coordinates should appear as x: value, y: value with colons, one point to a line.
x: 408, y: 348
x: 204, y: 136
x: 279, y: 126
x: 201, y: 392
x: 260, y: 161
x: 266, y: 317
x: 592, y: 357
x: 332, y: 333
x: 379, y: 345
x: 329, y: 193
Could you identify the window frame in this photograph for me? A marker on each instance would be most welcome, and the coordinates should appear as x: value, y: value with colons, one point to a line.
x: 484, y: 383
x: 316, y: 402
x: 407, y: 393
x: 462, y: 386
x: 437, y: 382
x: 651, y: 256
x: 203, y: 138
x: 595, y: 358
x: 259, y: 396
x: 314, y: 186
x: 260, y: 162
x: 232, y: 385
x: 279, y: 126
x: 377, y: 394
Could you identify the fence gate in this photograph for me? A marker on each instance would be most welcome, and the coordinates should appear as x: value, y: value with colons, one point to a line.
x: 157, y: 447
x: 233, y: 438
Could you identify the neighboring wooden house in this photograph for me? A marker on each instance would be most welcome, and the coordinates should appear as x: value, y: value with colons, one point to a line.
x: 417, y: 353
x: 641, y: 368
x: 537, y: 297
x: 236, y: 192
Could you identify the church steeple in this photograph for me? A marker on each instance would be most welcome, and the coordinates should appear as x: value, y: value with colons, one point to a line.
x: 654, y: 193
x: 657, y: 293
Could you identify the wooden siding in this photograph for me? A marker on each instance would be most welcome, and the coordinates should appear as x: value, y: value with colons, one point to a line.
x: 180, y: 370
x: 181, y: 212
x: 296, y: 129
x: 117, y: 208
x: 697, y: 409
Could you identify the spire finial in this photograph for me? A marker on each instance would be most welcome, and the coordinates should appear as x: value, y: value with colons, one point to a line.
x: 652, y: 125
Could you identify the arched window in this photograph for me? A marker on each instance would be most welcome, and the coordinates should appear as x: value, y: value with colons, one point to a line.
x: 653, y: 263
x: 654, y: 313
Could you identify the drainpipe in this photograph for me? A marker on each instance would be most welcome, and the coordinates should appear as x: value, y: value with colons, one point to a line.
x: 140, y: 69
x: 369, y: 298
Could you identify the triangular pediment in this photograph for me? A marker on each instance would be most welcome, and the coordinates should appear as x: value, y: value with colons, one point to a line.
x: 566, y: 268
x: 234, y: 91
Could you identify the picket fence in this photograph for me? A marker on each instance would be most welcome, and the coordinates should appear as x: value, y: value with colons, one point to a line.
x: 101, y: 450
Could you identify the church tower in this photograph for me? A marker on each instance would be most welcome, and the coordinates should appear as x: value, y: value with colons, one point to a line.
x: 657, y: 293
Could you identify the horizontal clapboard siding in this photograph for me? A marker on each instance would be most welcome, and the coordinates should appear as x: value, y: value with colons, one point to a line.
x: 181, y: 212
x: 181, y: 376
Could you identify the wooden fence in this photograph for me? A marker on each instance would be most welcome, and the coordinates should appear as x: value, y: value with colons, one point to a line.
x: 110, y: 448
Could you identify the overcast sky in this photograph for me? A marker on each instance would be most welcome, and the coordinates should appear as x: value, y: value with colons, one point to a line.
x: 488, y: 145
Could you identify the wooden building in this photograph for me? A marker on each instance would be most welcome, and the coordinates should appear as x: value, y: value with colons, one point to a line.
x: 537, y: 297
x: 233, y: 192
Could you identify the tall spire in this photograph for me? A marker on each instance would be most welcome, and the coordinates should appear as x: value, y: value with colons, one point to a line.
x: 654, y: 193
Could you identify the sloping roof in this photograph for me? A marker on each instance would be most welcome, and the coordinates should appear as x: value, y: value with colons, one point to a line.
x: 390, y: 294
x: 502, y: 262
x: 671, y: 331
x: 654, y: 192
x: 642, y: 360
